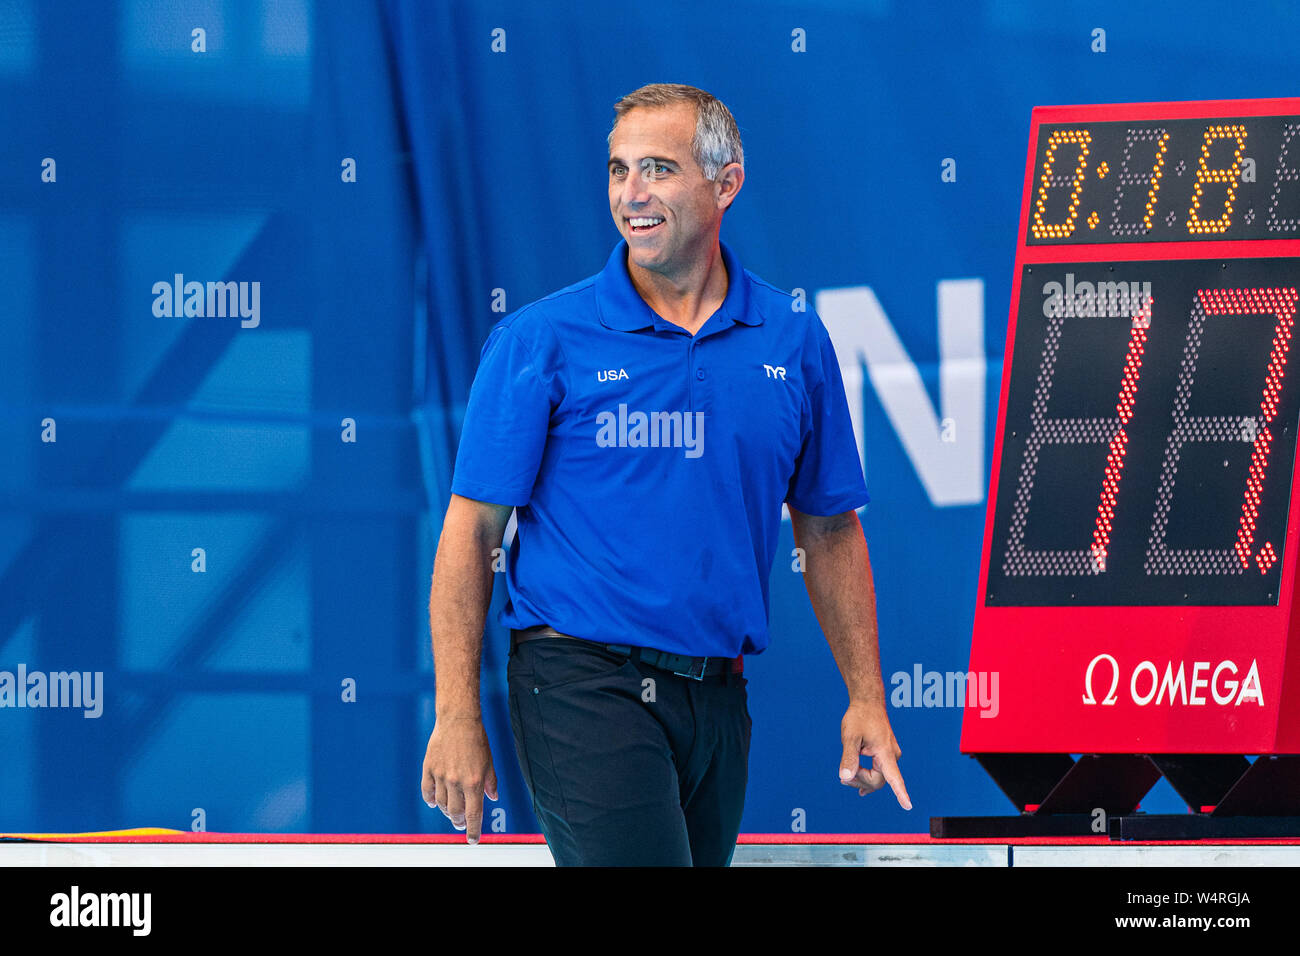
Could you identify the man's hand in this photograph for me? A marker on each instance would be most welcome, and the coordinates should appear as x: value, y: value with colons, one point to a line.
x: 458, y: 761
x: 865, y: 731
x: 458, y: 772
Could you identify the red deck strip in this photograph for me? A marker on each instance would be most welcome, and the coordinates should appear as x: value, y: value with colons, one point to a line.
x: 745, y: 838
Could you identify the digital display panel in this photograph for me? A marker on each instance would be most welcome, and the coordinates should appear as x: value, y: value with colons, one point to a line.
x: 1150, y: 431
x: 1166, y: 180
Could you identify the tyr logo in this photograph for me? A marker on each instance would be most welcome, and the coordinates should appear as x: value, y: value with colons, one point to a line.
x: 777, y: 372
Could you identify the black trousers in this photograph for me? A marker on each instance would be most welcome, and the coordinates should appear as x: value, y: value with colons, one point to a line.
x: 626, y: 764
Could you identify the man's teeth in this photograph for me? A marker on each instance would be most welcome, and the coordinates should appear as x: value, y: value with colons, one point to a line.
x: 639, y: 223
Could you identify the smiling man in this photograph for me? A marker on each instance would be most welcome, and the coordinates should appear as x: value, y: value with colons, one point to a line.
x: 638, y: 579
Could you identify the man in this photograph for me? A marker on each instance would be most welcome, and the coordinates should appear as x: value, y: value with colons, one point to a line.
x: 648, y: 423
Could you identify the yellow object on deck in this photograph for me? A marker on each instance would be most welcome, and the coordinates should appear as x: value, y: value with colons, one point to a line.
x: 138, y: 831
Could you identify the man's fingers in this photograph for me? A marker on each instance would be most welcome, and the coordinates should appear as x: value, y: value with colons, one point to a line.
x: 458, y: 773
x: 884, y: 770
x: 866, y: 780
x: 889, y: 770
x: 456, y: 805
x: 849, y: 761
x: 474, y: 816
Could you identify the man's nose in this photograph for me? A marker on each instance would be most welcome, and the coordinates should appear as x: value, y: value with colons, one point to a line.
x: 636, y: 188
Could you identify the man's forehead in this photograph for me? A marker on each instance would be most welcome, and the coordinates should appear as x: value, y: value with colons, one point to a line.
x: 651, y: 127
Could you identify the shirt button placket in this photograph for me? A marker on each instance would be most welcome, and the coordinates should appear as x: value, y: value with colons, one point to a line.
x: 690, y: 385
x: 695, y: 374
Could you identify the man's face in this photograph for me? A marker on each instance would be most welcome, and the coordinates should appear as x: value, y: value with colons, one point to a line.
x: 652, y: 176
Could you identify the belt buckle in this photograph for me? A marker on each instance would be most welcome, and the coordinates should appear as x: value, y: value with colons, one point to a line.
x: 703, y: 663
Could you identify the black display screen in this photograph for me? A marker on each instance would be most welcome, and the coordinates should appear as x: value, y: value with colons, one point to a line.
x: 1149, y: 436
x: 1166, y: 180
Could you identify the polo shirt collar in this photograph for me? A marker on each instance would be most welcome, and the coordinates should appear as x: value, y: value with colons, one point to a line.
x: 619, y: 306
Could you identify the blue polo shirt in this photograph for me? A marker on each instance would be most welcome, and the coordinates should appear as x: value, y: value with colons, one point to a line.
x: 647, y: 465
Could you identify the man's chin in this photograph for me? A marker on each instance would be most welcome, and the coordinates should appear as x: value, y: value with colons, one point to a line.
x: 643, y: 256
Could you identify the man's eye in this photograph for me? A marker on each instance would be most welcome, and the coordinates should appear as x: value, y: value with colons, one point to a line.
x: 661, y: 169
x: 617, y: 170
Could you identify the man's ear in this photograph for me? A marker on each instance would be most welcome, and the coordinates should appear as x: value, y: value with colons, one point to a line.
x: 729, y: 181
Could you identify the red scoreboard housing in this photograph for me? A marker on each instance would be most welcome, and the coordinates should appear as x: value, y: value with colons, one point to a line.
x: 1137, y: 583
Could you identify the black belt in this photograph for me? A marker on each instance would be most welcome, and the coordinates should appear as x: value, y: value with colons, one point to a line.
x: 683, y: 665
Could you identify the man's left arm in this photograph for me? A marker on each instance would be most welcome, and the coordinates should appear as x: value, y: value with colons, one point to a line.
x: 837, y: 574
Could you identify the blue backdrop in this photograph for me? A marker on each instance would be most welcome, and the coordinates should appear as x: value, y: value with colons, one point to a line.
x: 231, y: 517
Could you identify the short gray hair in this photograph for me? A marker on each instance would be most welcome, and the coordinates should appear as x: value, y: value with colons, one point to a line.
x: 717, y: 138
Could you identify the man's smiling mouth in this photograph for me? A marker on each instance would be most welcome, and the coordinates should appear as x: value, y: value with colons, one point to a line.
x: 641, y: 225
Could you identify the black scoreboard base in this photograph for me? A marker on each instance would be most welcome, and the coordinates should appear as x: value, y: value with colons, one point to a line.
x: 1238, y: 799
x: 1024, y: 825
x: 1201, y: 826
x: 1120, y: 827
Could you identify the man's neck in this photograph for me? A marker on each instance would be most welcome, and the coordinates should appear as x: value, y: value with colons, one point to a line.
x: 688, y: 299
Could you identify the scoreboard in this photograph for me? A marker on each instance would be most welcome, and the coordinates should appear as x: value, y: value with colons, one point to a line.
x: 1140, y: 546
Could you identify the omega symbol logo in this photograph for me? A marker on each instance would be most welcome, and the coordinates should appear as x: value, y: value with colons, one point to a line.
x: 775, y: 372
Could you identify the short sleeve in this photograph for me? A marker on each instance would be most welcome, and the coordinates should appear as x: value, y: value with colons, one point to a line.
x: 827, y: 477
x: 506, y: 423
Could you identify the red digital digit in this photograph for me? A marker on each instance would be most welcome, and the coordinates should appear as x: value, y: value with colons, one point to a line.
x: 1280, y: 303
x: 1128, y: 386
x: 1076, y: 430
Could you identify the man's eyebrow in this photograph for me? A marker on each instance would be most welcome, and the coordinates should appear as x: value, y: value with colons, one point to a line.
x: 658, y: 160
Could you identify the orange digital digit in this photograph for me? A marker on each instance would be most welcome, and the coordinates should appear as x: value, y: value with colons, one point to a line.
x: 1157, y: 170
x: 1043, y: 230
x: 1229, y: 176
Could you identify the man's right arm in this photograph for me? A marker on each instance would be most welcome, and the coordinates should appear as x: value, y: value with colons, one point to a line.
x: 458, y: 761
